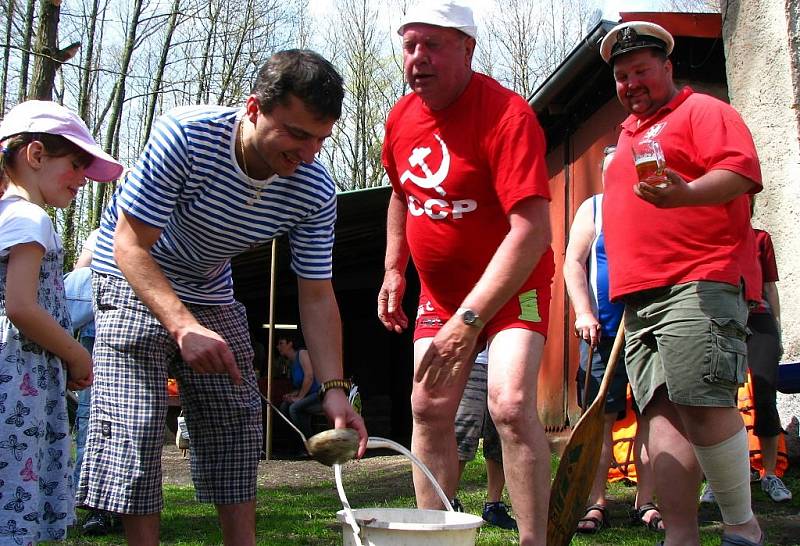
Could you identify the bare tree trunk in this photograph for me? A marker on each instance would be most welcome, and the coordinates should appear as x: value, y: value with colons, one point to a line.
x: 48, y: 57
x: 6, y: 54
x: 27, y: 37
x: 162, y: 62
x: 112, y: 132
x: 85, y: 90
x: 232, y: 60
x: 532, y: 37
x: 353, y: 152
x: 84, y: 105
x: 202, y: 88
x: 303, y: 25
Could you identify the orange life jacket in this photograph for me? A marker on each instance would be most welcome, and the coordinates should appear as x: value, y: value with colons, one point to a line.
x: 624, y: 432
x: 748, y: 413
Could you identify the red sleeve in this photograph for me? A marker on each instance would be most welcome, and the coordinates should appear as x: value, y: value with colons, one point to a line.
x: 515, y: 151
x: 766, y: 257
x: 387, y: 159
x: 726, y: 141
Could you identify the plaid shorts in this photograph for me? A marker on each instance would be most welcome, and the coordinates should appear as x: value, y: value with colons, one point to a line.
x: 132, y: 355
x: 473, y: 420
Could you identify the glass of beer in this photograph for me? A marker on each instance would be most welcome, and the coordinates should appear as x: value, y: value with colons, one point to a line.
x: 649, y: 160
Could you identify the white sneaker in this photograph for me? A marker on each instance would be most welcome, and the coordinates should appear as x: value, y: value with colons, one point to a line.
x: 707, y: 497
x: 775, y: 489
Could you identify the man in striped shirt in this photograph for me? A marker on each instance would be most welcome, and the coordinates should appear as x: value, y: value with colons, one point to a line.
x: 210, y: 183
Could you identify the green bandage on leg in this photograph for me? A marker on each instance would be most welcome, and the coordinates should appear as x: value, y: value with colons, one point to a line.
x: 727, y: 469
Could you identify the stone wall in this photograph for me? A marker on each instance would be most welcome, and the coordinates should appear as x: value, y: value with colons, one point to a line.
x: 762, y: 50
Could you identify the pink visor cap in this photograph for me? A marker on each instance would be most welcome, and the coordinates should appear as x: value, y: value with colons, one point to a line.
x: 38, y: 116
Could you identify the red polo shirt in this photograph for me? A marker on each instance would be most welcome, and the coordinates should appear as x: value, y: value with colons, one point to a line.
x: 649, y: 247
x: 767, y: 264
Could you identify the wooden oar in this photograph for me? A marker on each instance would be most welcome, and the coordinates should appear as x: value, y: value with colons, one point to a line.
x: 587, y: 378
x: 578, y: 465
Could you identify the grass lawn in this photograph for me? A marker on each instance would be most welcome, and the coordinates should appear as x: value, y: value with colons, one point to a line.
x: 304, y: 515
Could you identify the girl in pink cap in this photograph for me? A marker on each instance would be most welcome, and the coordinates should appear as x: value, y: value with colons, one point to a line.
x: 46, y: 152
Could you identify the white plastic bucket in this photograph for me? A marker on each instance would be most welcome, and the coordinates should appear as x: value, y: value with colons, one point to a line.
x: 404, y: 526
x: 410, y: 526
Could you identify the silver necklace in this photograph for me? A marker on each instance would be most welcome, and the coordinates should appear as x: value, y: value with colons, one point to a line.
x: 258, y: 188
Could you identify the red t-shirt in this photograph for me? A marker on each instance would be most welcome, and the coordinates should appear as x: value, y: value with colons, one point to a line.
x: 460, y: 171
x: 649, y: 247
x: 766, y: 261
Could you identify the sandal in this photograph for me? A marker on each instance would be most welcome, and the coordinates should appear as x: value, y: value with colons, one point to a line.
x: 598, y: 523
x: 637, y: 516
x: 736, y: 540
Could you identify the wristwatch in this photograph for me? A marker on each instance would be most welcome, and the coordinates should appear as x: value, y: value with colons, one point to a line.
x: 469, y: 317
x: 343, y: 384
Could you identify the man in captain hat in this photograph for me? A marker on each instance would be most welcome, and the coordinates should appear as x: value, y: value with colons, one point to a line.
x: 470, y: 205
x: 681, y: 251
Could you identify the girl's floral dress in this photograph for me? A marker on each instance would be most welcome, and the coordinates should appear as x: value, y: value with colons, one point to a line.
x: 36, y: 489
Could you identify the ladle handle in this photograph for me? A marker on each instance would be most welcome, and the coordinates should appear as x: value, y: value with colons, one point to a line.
x: 279, y: 412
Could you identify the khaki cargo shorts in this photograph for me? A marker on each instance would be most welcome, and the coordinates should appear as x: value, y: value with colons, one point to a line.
x: 689, y: 337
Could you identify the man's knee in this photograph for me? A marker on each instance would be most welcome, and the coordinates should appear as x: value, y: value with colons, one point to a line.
x: 512, y: 412
x: 709, y: 425
x: 433, y: 410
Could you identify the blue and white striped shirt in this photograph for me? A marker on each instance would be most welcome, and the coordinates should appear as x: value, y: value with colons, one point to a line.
x: 188, y: 183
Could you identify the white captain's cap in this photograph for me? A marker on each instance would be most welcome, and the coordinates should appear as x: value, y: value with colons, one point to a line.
x: 445, y: 13
x: 634, y: 35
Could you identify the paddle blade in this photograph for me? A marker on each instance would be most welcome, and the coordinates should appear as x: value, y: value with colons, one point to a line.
x: 575, y: 474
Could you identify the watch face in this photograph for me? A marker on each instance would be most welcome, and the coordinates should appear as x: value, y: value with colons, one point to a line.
x: 469, y: 316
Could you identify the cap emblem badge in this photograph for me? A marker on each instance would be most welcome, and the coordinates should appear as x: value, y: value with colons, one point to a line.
x: 627, y: 37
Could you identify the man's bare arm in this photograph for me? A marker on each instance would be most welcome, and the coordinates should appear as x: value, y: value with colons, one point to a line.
x: 581, y: 236
x: 716, y: 187
x: 203, y: 349
x: 527, y: 240
x: 322, y: 328
x: 390, y: 297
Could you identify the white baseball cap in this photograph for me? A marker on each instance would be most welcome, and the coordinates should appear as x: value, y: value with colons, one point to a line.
x: 441, y: 13
x: 38, y: 116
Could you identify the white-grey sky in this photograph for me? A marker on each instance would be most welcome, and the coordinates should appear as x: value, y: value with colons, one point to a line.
x: 611, y: 8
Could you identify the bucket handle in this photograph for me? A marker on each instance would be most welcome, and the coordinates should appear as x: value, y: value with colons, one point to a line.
x: 348, y: 512
x: 376, y: 442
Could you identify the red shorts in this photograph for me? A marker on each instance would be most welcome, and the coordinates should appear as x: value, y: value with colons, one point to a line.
x: 529, y: 310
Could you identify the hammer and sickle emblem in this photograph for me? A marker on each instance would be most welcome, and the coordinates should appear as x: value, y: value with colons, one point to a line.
x: 431, y: 179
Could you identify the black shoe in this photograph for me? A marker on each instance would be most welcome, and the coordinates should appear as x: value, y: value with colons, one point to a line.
x: 456, y: 504
x: 496, y: 513
x: 97, y: 524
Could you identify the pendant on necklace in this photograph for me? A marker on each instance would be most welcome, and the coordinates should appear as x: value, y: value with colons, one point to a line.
x: 253, y: 198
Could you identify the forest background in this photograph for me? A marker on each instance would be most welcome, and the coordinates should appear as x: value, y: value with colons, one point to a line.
x: 122, y: 63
